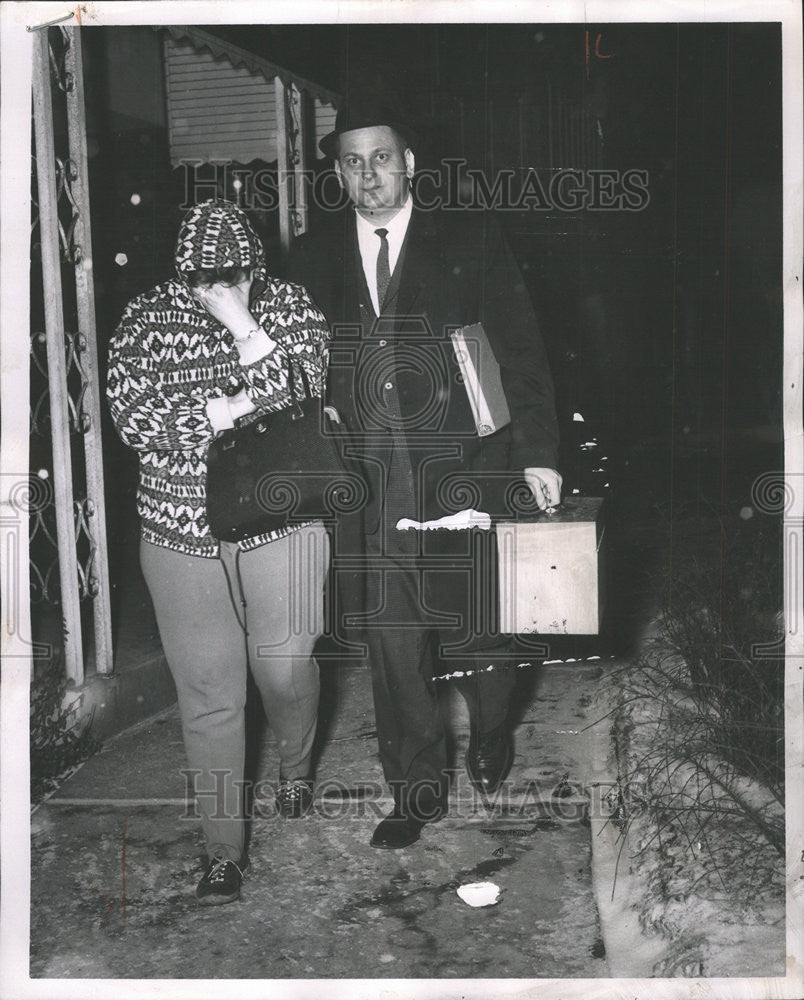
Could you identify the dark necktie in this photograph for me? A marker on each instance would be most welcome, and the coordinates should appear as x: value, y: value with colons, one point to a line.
x: 383, y: 268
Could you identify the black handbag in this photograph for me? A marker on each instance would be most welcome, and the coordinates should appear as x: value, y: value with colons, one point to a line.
x: 282, y: 467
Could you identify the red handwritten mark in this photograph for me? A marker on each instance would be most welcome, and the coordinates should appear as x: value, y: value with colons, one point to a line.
x: 125, y: 827
x: 586, y: 40
x: 598, y: 53
x: 110, y: 903
x: 78, y: 16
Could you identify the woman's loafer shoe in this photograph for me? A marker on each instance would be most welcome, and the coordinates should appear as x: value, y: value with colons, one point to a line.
x: 221, y: 882
x: 294, y: 798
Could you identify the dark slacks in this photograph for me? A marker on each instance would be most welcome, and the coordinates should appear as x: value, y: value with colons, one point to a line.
x: 403, y: 653
x: 403, y: 628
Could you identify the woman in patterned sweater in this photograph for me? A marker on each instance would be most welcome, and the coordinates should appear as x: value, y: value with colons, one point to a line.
x: 189, y: 359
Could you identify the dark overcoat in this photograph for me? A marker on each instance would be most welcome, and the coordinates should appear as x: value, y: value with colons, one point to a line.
x: 395, y: 380
x: 457, y: 270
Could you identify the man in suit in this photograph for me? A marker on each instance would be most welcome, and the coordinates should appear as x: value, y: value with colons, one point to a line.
x: 394, y: 280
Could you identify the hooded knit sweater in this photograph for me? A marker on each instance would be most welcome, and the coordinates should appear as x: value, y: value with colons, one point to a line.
x: 169, y: 358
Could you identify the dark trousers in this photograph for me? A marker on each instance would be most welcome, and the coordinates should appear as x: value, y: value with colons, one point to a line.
x: 403, y: 652
x: 402, y: 634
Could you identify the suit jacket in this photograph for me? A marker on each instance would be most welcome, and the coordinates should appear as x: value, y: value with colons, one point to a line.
x: 455, y: 269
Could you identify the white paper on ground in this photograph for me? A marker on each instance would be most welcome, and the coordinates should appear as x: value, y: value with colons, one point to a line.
x: 479, y: 893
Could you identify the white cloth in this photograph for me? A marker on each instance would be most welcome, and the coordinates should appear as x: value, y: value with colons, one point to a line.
x: 369, y: 244
x: 461, y: 521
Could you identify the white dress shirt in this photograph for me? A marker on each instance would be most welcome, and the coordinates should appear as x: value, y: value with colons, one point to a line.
x: 369, y: 243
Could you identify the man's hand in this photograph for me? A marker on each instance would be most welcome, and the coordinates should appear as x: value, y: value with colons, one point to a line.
x: 545, y: 484
x: 229, y: 305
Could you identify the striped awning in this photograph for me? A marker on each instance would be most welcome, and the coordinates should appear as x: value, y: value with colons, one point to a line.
x: 203, y: 40
x: 221, y: 100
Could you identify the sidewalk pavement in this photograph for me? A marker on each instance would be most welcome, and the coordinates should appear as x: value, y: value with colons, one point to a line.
x: 115, y: 859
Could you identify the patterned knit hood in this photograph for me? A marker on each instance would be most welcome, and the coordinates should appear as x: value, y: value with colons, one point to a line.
x: 216, y: 233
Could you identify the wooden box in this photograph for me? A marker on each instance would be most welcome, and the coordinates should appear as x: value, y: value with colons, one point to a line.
x: 551, y: 571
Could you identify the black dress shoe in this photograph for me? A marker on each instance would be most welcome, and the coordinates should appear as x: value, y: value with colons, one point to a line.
x: 488, y: 759
x: 396, y: 831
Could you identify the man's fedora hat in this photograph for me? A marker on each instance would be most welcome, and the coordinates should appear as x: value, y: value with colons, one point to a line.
x: 365, y: 113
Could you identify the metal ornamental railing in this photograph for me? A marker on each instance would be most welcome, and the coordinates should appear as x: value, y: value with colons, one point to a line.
x: 69, y: 564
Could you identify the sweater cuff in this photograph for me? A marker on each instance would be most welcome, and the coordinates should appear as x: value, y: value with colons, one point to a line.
x: 255, y: 347
x: 220, y: 416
